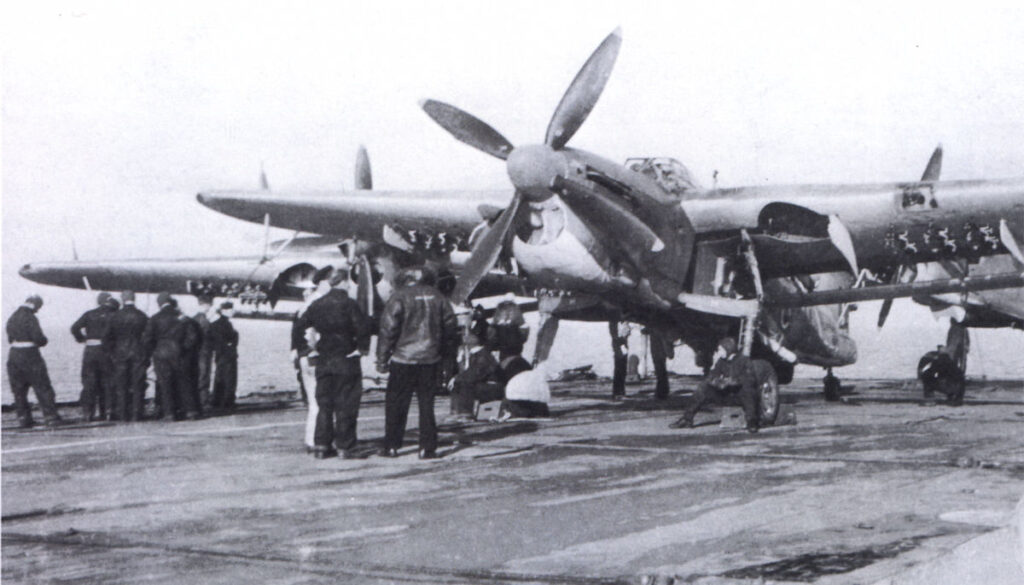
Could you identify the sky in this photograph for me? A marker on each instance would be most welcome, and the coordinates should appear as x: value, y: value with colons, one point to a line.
x: 115, y: 114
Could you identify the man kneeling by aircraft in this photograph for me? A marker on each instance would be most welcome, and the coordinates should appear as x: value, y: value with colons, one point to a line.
x: 732, y: 373
x: 478, y: 382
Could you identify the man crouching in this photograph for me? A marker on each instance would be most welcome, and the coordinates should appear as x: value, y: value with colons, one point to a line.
x: 732, y: 374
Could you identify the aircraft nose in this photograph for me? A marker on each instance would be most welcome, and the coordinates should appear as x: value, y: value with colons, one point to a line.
x: 533, y: 169
x: 25, y: 271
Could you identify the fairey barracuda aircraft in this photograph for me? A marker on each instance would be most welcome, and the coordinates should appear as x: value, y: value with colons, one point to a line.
x: 283, y: 271
x: 643, y: 242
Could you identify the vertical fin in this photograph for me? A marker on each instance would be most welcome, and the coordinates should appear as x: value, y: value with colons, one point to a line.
x: 364, y: 177
x: 264, y: 184
x: 934, y: 168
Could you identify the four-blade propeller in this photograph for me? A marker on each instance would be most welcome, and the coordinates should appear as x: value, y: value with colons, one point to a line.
x: 532, y: 168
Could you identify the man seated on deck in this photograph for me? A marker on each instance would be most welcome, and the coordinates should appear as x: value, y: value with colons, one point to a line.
x: 477, y: 382
x: 732, y: 374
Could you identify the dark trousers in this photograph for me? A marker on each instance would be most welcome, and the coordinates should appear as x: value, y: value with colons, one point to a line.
x: 205, y: 367
x: 619, y: 375
x: 746, y: 394
x: 188, y: 392
x: 403, y: 381
x: 464, y: 394
x: 339, y: 388
x: 97, y: 390
x: 168, y: 371
x: 659, y: 358
x: 25, y: 369
x: 129, y: 386
x: 225, y: 381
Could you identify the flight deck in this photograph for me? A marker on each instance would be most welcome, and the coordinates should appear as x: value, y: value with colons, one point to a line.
x: 880, y: 487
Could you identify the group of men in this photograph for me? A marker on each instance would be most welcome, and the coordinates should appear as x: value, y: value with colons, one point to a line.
x: 484, y: 379
x: 120, y: 342
x: 416, y: 331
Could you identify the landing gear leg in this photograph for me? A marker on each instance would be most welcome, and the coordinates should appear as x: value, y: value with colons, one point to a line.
x: 831, y: 387
x: 659, y: 356
x: 619, y: 355
x: 545, y: 338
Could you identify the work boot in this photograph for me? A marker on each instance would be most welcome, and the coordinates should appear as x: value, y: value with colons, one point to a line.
x: 428, y: 454
x: 753, y: 426
x: 55, y: 421
x: 323, y: 453
x: 26, y: 423
x: 684, y: 422
x: 388, y: 452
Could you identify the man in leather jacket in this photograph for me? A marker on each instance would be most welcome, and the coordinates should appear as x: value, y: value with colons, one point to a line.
x: 417, y: 329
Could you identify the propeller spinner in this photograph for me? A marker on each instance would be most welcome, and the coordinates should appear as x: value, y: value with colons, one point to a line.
x: 533, y: 169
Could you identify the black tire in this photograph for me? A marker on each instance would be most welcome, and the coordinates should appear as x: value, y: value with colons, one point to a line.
x: 768, y: 387
x: 832, y: 388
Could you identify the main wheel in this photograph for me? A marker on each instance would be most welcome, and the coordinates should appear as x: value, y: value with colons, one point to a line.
x: 768, y: 387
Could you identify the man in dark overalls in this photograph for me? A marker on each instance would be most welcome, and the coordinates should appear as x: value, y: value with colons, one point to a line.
x: 97, y: 390
x: 190, y: 340
x: 160, y: 338
x: 223, y: 341
x: 128, y: 357
x: 478, y: 382
x: 732, y: 374
x: 344, y: 332
x: 25, y: 365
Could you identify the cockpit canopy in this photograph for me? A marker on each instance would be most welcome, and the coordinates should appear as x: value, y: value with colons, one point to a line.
x: 670, y: 174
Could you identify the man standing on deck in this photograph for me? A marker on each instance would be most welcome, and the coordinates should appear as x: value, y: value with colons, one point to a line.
x: 160, y: 338
x: 97, y: 390
x: 223, y: 340
x: 25, y: 365
x: 190, y: 340
x: 417, y: 328
x: 304, y: 355
x: 202, y: 318
x: 128, y: 357
x: 344, y: 336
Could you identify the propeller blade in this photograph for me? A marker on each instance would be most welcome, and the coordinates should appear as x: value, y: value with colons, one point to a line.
x: 467, y: 128
x: 485, y: 253
x: 883, y: 314
x: 610, y: 218
x: 905, y: 274
x: 583, y: 92
x: 934, y: 168
x: 364, y: 178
